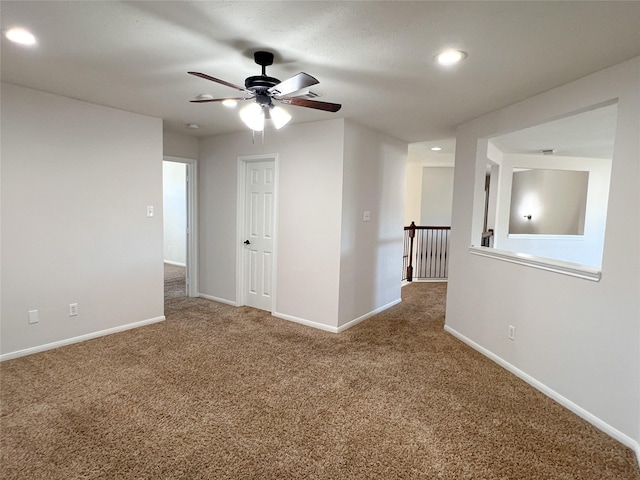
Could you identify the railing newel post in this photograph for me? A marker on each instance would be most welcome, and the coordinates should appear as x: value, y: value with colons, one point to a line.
x: 412, y: 234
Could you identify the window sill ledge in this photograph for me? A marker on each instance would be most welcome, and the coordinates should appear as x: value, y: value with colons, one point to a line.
x: 537, y: 236
x: 558, y: 266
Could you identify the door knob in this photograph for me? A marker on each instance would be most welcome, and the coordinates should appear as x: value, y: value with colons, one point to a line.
x: 247, y: 242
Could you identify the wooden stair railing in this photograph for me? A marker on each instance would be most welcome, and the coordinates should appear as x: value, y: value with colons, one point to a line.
x: 428, y: 246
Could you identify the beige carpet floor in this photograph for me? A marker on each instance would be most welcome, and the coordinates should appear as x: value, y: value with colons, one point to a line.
x: 217, y: 392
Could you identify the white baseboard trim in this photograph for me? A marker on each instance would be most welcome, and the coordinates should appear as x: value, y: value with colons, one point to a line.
x: 308, y: 323
x: 581, y: 412
x: 81, y: 338
x: 330, y: 328
x: 355, y: 321
x: 177, y: 264
x: 217, y: 299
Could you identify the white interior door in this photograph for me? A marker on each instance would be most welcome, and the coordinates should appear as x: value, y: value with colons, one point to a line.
x: 259, y: 228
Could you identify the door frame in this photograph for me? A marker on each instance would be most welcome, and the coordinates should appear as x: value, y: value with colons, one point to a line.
x: 192, y: 221
x: 240, y: 225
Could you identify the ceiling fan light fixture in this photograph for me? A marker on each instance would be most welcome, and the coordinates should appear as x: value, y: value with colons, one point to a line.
x: 450, y: 57
x: 229, y: 102
x: 253, y: 117
x: 280, y: 117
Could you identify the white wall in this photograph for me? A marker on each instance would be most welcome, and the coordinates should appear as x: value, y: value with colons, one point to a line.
x: 76, y: 182
x: 413, y: 194
x: 437, y: 196
x: 174, y: 200
x: 179, y: 145
x: 371, y: 251
x: 548, y: 202
x: 329, y: 173
x: 577, y: 340
x: 310, y: 160
x: 586, y: 249
x: 428, y: 195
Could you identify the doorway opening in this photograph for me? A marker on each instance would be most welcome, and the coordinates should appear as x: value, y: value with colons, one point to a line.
x: 179, y: 204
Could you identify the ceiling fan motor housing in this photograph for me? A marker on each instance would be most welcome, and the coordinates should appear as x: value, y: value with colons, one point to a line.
x: 260, y: 82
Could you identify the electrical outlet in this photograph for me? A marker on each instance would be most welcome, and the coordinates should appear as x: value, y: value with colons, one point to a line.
x: 512, y: 332
x: 73, y: 309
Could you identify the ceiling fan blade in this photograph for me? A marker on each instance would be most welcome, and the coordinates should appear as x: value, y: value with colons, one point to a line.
x: 303, y: 102
x: 206, y: 100
x: 217, y: 80
x: 293, y: 84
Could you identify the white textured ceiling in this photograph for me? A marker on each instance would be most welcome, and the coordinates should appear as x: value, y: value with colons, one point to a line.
x: 376, y: 58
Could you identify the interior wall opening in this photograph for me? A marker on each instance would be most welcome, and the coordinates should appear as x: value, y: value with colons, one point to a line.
x: 546, y: 188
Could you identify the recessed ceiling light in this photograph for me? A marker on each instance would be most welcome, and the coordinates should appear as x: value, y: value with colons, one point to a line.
x: 204, y: 96
x: 193, y: 125
x: 436, y: 149
x: 21, y: 36
x: 450, y: 57
x: 229, y: 102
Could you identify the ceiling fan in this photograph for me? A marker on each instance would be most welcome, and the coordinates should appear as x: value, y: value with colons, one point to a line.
x: 264, y: 90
